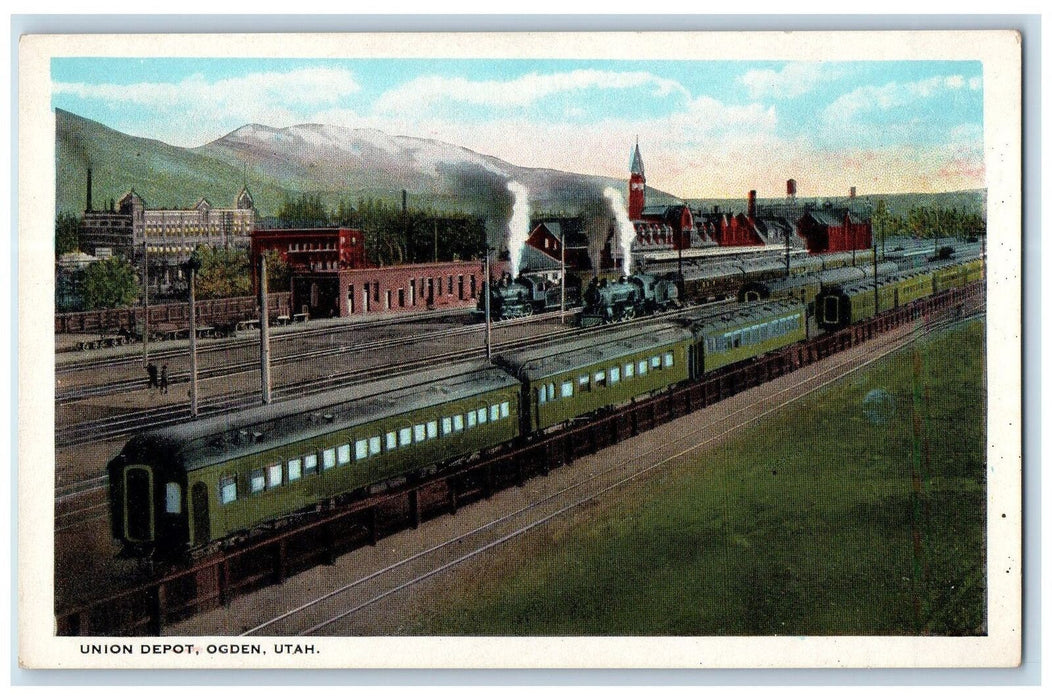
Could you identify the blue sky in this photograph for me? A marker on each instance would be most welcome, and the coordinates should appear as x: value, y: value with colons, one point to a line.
x: 705, y: 128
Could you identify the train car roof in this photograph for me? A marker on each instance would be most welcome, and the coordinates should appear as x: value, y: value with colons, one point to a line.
x: 201, y: 442
x: 743, y: 316
x: 536, y: 363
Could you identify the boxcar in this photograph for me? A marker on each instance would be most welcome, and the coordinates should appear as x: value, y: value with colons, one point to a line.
x: 579, y: 377
x: 183, y: 487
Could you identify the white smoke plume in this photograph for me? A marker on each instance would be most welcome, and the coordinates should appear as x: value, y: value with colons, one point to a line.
x: 518, y: 225
x: 626, y: 232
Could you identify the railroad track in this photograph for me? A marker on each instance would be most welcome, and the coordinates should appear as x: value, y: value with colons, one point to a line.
x: 78, y: 393
x: 119, y: 426
x: 335, y: 611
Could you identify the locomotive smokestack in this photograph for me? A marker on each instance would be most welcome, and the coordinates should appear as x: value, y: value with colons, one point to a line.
x: 752, y: 205
x: 89, y: 191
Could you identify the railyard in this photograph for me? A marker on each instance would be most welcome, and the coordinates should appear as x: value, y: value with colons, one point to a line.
x: 72, y: 542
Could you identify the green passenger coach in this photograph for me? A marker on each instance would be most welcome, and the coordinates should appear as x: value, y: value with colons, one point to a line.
x: 182, y: 487
x: 579, y: 377
x: 746, y: 333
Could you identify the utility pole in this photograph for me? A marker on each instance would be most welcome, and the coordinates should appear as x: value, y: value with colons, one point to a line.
x: 145, y: 301
x: 562, y: 277
x: 489, y: 327
x: 193, y: 265
x: 264, y: 331
x: 876, y: 287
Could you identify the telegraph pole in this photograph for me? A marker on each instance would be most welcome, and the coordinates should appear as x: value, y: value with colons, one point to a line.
x: 489, y: 327
x: 193, y: 265
x: 264, y: 331
x: 562, y: 279
x: 145, y: 301
x: 876, y: 296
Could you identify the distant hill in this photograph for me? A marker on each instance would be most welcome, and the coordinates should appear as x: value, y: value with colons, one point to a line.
x: 350, y: 164
x: 332, y: 162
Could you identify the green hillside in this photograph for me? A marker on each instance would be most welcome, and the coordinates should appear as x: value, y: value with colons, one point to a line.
x: 167, y: 177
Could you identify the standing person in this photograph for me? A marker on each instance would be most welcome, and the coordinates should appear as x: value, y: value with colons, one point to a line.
x: 151, y: 372
x: 164, y: 379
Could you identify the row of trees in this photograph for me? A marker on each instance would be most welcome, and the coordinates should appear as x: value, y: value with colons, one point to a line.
x: 928, y: 222
x: 393, y: 236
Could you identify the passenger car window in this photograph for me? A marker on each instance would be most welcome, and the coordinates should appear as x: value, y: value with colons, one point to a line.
x: 227, y: 490
x: 173, y: 498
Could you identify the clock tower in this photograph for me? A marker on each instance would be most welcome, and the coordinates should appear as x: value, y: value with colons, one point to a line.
x: 637, y: 187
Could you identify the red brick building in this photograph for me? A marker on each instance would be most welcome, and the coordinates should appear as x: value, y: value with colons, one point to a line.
x: 310, y: 250
x: 394, y: 289
x: 834, y: 231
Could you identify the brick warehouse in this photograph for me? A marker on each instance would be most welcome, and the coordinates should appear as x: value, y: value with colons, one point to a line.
x: 330, y: 276
x: 401, y: 288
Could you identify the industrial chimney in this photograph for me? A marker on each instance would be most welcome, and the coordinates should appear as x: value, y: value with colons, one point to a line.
x: 790, y: 188
x: 852, y: 193
x: 752, y: 205
x: 89, y: 191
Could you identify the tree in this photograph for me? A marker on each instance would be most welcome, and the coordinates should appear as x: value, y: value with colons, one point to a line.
x: 224, y: 273
x: 278, y: 272
x: 110, y: 283
x: 66, y: 240
x: 306, y: 211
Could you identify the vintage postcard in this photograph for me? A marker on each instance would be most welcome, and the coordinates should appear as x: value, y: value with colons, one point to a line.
x: 520, y: 350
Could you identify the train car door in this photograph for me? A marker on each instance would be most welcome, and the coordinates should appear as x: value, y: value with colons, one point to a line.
x: 199, y: 506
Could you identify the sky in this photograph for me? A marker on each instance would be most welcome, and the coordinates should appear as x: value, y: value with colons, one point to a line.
x: 706, y: 129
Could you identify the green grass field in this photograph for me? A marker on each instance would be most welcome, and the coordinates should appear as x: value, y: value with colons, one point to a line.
x: 835, y: 516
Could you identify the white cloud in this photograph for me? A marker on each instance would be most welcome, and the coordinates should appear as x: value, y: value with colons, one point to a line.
x: 422, y: 93
x: 884, y: 97
x: 793, y: 80
x: 180, y: 109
